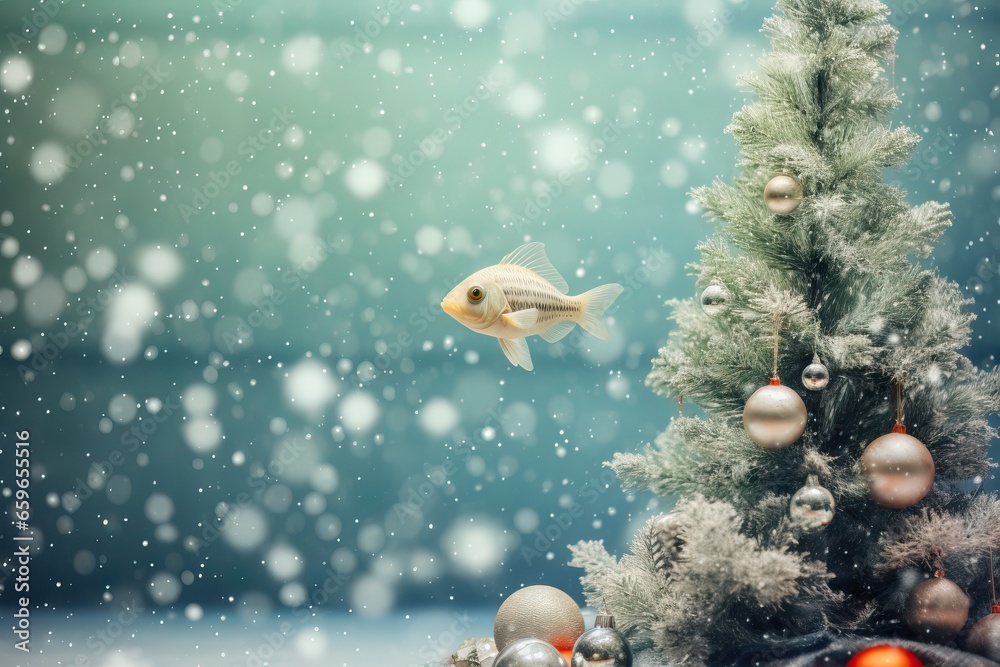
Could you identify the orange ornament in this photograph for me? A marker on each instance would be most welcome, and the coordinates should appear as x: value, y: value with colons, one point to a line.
x: 885, y: 655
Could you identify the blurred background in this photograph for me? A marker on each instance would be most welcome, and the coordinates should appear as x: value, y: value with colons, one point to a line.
x: 226, y: 227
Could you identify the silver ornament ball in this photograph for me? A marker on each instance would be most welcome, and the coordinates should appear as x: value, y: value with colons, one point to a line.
x: 774, y: 416
x: 984, y: 637
x: 782, y: 194
x: 714, y: 299
x: 529, y: 653
x: 815, y: 376
x: 812, y: 506
x: 937, y: 609
x: 603, y: 647
x: 899, y: 469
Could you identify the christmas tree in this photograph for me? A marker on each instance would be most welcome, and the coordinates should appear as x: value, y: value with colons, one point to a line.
x: 817, y: 510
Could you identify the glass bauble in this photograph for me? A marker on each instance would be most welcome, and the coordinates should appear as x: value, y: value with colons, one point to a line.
x: 899, y: 469
x: 937, y: 609
x: 529, y: 653
x: 815, y: 376
x: 812, y: 506
x: 782, y: 194
x: 774, y: 416
x: 714, y: 299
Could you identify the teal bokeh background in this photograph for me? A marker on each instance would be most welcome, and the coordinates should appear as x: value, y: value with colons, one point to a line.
x: 227, y: 227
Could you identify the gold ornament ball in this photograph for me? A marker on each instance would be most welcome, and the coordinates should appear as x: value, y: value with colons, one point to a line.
x: 984, y: 637
x: 937, y: 609
x: 774, y: 417
x: 899, y: 469
x: 538, y: 612
x: 782, y: 194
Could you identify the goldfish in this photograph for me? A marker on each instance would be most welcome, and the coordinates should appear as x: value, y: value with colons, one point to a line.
x: 524, y: 295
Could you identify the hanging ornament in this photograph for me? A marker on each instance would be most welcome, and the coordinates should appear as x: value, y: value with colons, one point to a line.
x: 815, y: 376
x: 899, y: 469
x: 812, y: 506
x: 668, y: 540
x: 984, y: 637
x: 782, y: 194
x: 885, y: 655
x: 774, y: 416
x: 937, y: 608
x: 715, y: 298
x: 602, y: 646
x: 529, y: 653
x: 538, y: 612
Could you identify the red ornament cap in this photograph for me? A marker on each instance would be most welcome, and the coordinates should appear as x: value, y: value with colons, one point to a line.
x: 939, y: 573
x: 775, y: 381
x: 885, y: 655
x: 898, y: 428
x: 996, y: 608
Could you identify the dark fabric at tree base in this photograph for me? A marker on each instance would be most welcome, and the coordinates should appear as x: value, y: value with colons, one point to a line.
x: 823, y: 650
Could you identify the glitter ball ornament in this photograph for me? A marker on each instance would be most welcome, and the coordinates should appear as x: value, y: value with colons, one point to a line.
x: 815, y: 376
x: 885, y: 655
x: 529, y: 653
x: 714, y: 299
x: 899, y: 469
x: 538, y: 612
x: 774, y: 416
x: 984, y: 637
x: 602, y: 645
x: 812, y: 506
x: 668, y: 540
x: 937, y: 608
x: 782, y: 194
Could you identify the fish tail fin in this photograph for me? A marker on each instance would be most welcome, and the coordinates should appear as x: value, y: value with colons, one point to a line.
x: 595, y: 302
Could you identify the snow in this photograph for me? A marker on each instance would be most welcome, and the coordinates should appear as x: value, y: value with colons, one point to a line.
x: 16, y: 74
x: 429, y: 240
x: 283, y: 562
x: 246, y: 529
x: 364, y: 178
x: 309, y: 388
x: 164, y: 588
x: 159, y: 266
x: 438, y: 417
x: 359, y: 412
x: 159, y: 507
x: 52, y: 39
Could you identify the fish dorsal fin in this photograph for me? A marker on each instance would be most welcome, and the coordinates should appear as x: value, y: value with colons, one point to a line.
x: 517, y: 353
x: 532, y: 256
x: 521, y: 319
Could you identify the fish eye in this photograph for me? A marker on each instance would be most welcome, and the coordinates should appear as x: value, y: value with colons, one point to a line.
x: 475, y: 294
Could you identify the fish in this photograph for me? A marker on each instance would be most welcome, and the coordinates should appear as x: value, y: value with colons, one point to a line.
x: 524, y: 295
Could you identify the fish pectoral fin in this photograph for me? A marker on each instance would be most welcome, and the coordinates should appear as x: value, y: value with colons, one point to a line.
x: 521, y: 319
x: 557, y: 331
x: 517, y: 353
x: 532, y: 257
